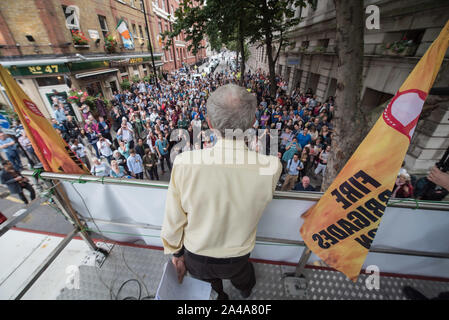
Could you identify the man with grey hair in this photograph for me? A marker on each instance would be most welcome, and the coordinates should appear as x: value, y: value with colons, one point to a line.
x: 212, y: 237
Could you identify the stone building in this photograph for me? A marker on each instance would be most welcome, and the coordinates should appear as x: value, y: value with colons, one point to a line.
x: 178, y: 54
x: 310, y: 62
x: 38, y: 47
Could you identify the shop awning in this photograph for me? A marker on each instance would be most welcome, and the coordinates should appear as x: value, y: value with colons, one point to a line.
x: 94, y: 73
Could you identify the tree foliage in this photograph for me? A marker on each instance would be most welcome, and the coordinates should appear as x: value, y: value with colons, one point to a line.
x: 249, y: 21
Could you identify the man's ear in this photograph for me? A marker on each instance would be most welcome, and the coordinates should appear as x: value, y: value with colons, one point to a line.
x: 208, y: 122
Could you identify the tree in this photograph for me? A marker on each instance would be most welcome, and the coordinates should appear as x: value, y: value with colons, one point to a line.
x: 265, y: 21
x: 270, y: 24
x: 221, y: 21
x: 350, y: 121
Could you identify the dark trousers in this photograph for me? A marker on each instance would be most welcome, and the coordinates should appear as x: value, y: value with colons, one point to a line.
x: 139, y: 175
x: 152, y: 172
x: 94, y: 145
x: 29, y: 187
x: 167, y: 158
x: 213, y: 270
x: 14, y: 158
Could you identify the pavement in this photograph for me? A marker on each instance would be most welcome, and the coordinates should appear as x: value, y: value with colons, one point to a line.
x: 44, y: 218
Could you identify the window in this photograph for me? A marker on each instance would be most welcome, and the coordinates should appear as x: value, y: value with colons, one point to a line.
x: 141, y: 5
x: 131, y: 2
x: 135, y: 31
x: 305, y: 44
x: 103, y: 25
x: 72, y: 18
x: 160, y: 27
x: 323, y: 43
x: 141, y: 33
x: 122, y: 70
x: 172, y: 11
x: 49, y: 81
x: 163, y: 5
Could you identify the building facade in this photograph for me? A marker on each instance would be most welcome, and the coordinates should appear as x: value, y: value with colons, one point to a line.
x: 178, y: 53
x: 310, y: 62
x: 48, y: 44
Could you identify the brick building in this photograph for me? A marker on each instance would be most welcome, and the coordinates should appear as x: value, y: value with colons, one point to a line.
x: 311, y: 62
x: 178, y: 53
x: 37, y: 45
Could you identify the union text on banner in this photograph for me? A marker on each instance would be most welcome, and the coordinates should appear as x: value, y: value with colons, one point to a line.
x: 53, y: 152
x: 342, y: 225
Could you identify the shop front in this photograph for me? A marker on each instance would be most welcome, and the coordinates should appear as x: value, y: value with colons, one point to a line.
x: 47, y: 84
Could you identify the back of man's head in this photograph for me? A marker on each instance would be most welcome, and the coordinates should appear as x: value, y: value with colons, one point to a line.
x: 231, y: 107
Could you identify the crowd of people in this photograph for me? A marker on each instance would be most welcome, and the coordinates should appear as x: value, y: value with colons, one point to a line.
x: 131, y: 137
x: 133, y: 140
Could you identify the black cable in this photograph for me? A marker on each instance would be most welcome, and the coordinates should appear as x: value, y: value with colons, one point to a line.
x: 88, y: 211
x: 129, y: 298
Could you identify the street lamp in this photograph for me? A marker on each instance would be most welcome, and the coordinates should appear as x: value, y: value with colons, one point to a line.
x: 149, y: 42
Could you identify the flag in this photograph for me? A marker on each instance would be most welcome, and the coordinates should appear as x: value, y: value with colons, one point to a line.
x: 127, y: 37
x: 53, y: 152
x: 123, y: 29
x: 341, y: 227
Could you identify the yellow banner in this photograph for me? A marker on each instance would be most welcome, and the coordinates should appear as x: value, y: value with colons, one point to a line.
x: 52, y: 150
x: 341, y: 227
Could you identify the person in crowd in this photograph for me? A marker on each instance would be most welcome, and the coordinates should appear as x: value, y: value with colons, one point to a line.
x: 304, y: 185
x: 93, y: 138
x: 162, y: 151
x: 291, y: 149
x: 104, y: 129
x: 116, y: 170
x: 140, y: 147
x: 9, y: 146
x: 322, y: 164
x: 403, y: 187
x: 85, y: 111
x: 150, y: 161
x: 305, y: 160
x: 123, y: 148
x: 210, y: 240
x: 80, y: 151
x: 73, y: 129
x: 99, y: 168
x: 60, y: 114
x: 135, y: 164
x: 121, y: 160
x: 286, y: 138
x: 125, y: 133
x: 16, y: 182
x: 27, y: 146
x: 304, y: 137
x: 104, y: 147
x: 293, y: 167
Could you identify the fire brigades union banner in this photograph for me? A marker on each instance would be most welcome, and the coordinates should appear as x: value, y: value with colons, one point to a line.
x: 53, y: 152
x: 341, y: 227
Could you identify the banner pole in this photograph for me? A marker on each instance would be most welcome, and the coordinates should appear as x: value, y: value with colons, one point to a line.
x: 306, y: 253
x: 296, y: 282
x: 62, y: 201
